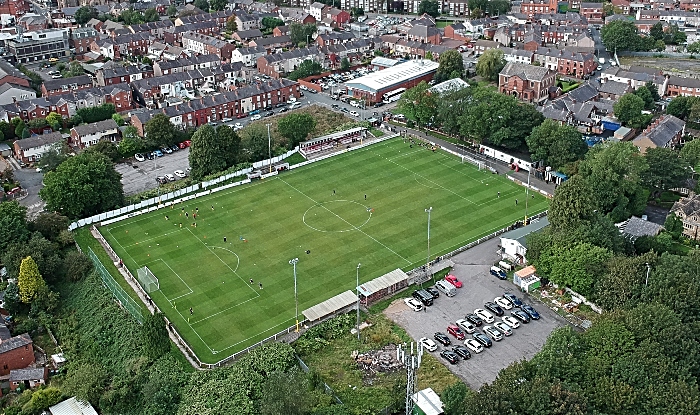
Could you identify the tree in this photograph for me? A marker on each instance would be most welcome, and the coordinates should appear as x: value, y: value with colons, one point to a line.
x: 218, y: 5
x: 556, y: 144
x: 13, y: 224
x: 296, y: 127
x: 690, y: 152
x: 21, y: 129
x: 212, y: 150
x: 131, y: 143
x: 55, y: 121
x: 42, y: 399
x: 357, y: 12
x: 155, y: 336
x: 345, y: 64
x: 77, y: 265
x: 118, y: 119
x: 646, y: 96
x: 628, y: 109
x: 7, y: 130
x: 202, y: 5
x: 430, y: 7
x: 666, y: 169
x: 270, y: 23
x: 231, y: 25
x: 419, y: 103
x: 450, y: 63
x: 306, y: 68
x: 572, y: 204
x: 53, y: 157
x: 577, y: 267
x: 50, y: 224
x: 654, y: 90
x: 490, y: 64
x: 29, y: 281
x: 693, y: 47
x: 620, y: 35
x: 95, y: 114
x: 254, y: 142
x: 84, y: 14
x: 301, y: 32
x: 681, y: 106
x: 453, y: 398
x: 82, y: 186
x: 107, y: 148
x: 159, y: 131
x: 286, y: 393
x: 657, y: 31
x: 172, y: 11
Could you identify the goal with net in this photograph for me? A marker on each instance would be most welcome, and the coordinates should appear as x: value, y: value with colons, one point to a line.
x: 148, y: 281
x: 477, y: 163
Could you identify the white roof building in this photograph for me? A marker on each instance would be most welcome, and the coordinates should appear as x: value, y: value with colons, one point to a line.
x: 404, y: 75
x: 72, y: 406
x: 452, y: 85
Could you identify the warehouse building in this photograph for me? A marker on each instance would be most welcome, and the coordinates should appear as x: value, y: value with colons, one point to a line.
x: 372, y: 87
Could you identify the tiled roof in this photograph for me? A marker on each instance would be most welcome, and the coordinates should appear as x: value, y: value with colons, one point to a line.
x: 23, y: 339
x: 96, y: 127
x: 690, y: 205
x: 57, y: 84
x: 33, y: 142
x: 525, y: 71
x: 615, y: 88
x: 20, y: 375
x: 661, y: 134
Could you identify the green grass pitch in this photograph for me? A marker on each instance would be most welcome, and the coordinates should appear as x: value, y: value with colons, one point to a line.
x: 320, y: 208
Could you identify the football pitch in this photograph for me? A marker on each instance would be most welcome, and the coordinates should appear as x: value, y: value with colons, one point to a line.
x: 365, y: 206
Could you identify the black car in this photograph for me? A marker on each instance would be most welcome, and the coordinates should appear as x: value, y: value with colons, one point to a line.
x: 284, y: 109
x: 450, y: 356
x: 343, y: 109
x: 513, y: 299
x: 462, y: 351
x: 442, y: 338
x: 174, y: 147
x: 268, y: 108
x: 312, y: 91
x: 483, y: 339
x: 269, y: 114
x: 433, y: 291
x: 521, y: 315
x: 161, y: 180
x: 474, y: 319
x: 280, y: 105
x: 494, y: 308
x: 335, y: 106
x: 150, y: 155
x: 378, y: 104
x: 530, y: 311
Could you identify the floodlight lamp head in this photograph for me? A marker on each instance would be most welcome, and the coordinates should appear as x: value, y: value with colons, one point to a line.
x: 293, y: 261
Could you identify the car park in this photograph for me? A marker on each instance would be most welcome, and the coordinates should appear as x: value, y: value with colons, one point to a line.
x: 530, y: 311
x: 483, y: 339
x: 428, y: 344
x: 484, y: 315
x: 462, y: 352
x: 513, y: 299
x: 474, y: 319
x: 413, y: 304
x: 465, y: 325
x: 450, y: 356
x: 453, y: 280
x: 493, y: 333
x: 433, y: 291
x: 170, y: 177
x: 522, y: 316
x: 511, y: 322
x: 503, y: 328
x: 492, y: 307
x: 499, y: 273
x: 474, y: 345
x: 442, y: 338
x: 503, y: 303
x: 139, y: 157
x: 179, y: 173
x: 456, y: 332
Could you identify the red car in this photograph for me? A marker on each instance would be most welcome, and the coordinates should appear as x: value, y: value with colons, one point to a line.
x: 456, y: 332
x: 454, y: 281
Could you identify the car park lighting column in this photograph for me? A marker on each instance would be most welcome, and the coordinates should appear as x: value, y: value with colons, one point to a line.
x: 357, y: 287
x: 293, y: 262
x: 427, y: 263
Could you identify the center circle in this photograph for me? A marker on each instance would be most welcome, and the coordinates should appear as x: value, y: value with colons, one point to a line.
x: 337, y: 216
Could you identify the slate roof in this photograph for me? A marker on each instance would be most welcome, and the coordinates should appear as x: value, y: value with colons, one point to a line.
x: 33, y: 142
x: 690, y: 206
x: 183, y: 62
x: 209, y: 40
x: 686, y: 82
x: 294, y: 53
x: 525, y: 71
x: 521, y: 234
x: 661, y: 134
x: 7, y: 86
x: 636, y: 227
x: 8, y: 70
x: 55, y: 84
x: 96, y: 127
x: 267, y: 41
x: 423, y: 31
x: 616, y: 88
x: 23, y: 339
x: 20, y: 375
x: 252, y: 50
x: 249, y: 34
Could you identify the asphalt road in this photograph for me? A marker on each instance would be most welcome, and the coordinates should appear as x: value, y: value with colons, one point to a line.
x: 479, y: 286
x: 32, y: 181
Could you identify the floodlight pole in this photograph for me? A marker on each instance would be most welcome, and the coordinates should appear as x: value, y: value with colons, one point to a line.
x: 427, y: 262
x: 269, y: 147
x: 357, y: 287
x: 527, y: 194
x: 293, y: 262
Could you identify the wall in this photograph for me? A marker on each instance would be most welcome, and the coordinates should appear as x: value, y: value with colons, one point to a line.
x: 506, y: 158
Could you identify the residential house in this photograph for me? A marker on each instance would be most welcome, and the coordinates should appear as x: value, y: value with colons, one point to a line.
x: 666, y: 132
x: 688, y: 210
x: 155, y: 29
x: 337, y: 16
x: 517, y: 55
x: 635, y: 227
x: 623, y: 5
x: 281, y: 31
x: 86, y: 135
x: 613, y: 90
x: 514, y: 243
x: 14, y: 7
x: 134, y: 44
x: 206, y: 45
x: 243, y: 36
x: 593, y: 12
x: 581, y: 108
x: 185, y: 64
x: 316, y: 10
x: 334, y: 38
x: 112, y: 73
x: 10, y: 74
x: 533, y: 7
x: 272, y: 43
x: 279, y: 64
x: 456, y: 8
x: 636, y: 76
x: 424, y: 34
x: 60, y: 86
x: 32, y: 21
x: 457, y: 31
x: 481, y: 46
x: 28, y: 378
x: 81, y: 38
x: 245, y: 21
x: 219, y: 17
x: 29, y: 150
x: 173, y: 35
x: 248, y: 56
x: 10, y: 93
x: 526, y: 82
x: 686, y: 87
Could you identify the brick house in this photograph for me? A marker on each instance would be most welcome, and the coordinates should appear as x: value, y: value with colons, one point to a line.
x: 135, y: 44
x: 279, y: 64
x: 185, y: 64
x: 206, y: 45
x: 173, y: 35
x: 424, y: 34
x: 688, y: 210
x: 457, y: 31
x: 156, y: 29
x: 526, y: 82
x: 533, y: 7
x: 16, y: 352
x: 280, y: 31
x: 10, y: 74
x: 686, y: 87
x: 243, y: 36
x: 666, y: 131
x: 81, y: 38
x: 623, y: 5
x: 30, y: 150
x: 117, y: 74
x: 592, y: 11
x: 28, y: 378
x: 61, y: 86
x: 86, y: 135
x: 14, y: 7
x: 339, y: 17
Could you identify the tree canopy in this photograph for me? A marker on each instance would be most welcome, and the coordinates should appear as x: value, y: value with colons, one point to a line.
x: 296, y: 127
x: 13, y: 224
x: 620, y: 35
x: 430, y: 7
x: 556, y: 144
x: 213, y: 150
x: 450, y: 66
x: 302, y: 32
x: 159, y: 131
x: 490, y: 64
x: 306, y: 68
x: 628, y: 109
x: 419, y: 104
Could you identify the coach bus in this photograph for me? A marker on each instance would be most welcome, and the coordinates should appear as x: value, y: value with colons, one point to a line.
x: 393, y: 95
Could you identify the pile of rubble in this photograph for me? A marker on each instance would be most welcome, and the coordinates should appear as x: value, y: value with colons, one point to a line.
x: 378, y: 361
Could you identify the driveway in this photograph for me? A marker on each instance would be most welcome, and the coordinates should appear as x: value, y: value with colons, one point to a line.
x: 30, y: 180
x: 138, y: 176
x: 471, y: 267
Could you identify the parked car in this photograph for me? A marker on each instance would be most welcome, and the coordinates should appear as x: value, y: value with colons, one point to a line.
x: 462, y: 352
x: 269, y: 114
x: 139, y: 157
x: 503, y: 328
x: 354, y: 113
x: 453, y: 280
x: 59, y: 76
x: 499, y: 273
x: 456, y: 332
x: 474, y: 319
x: 484, y: 315
x: 179, y: 173
x: 256, y: 117
x: 513, y: 299
x: 474, y: 345
x: 442, y: 338
x: 503, y: 303
x: 166, y: 150
x: 150, y: 155
x: 292, y: 99
x: 465, y: 325
x: 170, y: 177
x: 481, y: 338
x: 493, y: 333
x: 335, y: 106
x: 174, y: 147
x: 413, y: 304
x: 285, y: 109
x: 522, y: 316
x: 530, y: 311
x: 492, y: 307
x: 280, y: 105
x: 433, y: 291
x: 511, y: 322
x: 355, y: 104
x: 182, y: 145
x: 161, y: 180
x: 450, y: 356
x: 158, y: 153
x: 225, y: 120
x: 428, y: 344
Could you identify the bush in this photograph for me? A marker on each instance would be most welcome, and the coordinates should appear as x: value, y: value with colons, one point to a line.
x: 77, y: 265
x: 319, y: 336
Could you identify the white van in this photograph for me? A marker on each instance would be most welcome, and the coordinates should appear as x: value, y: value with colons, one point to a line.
x: 506, y: 266
x: 446, y: 288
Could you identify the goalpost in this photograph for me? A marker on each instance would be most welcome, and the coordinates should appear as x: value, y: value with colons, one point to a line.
x: 148, y: 281
x: 477, y: 163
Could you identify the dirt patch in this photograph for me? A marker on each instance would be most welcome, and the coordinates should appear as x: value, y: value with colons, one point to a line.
x: 684, y: 67
x: 374, y: 362
x: 395, y: 309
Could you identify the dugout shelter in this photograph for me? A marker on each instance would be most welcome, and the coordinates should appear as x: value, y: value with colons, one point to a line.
x: 331, y: 141
x: 383, y: 286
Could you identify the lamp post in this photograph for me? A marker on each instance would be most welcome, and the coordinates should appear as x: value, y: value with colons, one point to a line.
x: 527, y: 194
x: 357, y: 287
x: 293, y: 262
x: 427, y: 262
x: 269, y: 147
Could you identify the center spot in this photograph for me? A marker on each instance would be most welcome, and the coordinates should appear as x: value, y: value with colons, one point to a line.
x: 337, y: 216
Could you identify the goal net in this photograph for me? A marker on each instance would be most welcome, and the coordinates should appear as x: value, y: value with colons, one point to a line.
x: 477, y: 163
x: 148, y: 281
